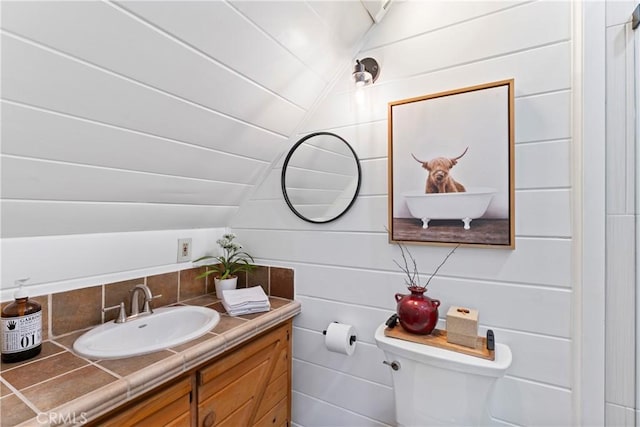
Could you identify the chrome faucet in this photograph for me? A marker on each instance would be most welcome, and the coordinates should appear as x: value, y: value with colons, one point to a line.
x: 135, y: 306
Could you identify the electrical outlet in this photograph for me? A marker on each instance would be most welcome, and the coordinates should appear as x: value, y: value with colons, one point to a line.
x: 184, y: 250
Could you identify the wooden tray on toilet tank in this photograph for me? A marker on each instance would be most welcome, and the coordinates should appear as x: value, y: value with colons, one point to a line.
x: 438, y: 338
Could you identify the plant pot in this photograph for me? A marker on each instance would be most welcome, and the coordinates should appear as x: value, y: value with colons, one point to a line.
x: 224, y: 284
x: 417, y: 313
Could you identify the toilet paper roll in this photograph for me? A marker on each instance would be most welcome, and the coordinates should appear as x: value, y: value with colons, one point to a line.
x: 338, y: 338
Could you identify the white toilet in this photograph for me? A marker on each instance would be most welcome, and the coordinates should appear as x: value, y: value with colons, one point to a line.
x: 436, y: 387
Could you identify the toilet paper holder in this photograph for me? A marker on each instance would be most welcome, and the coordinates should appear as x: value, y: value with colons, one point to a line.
x: 352, y: 339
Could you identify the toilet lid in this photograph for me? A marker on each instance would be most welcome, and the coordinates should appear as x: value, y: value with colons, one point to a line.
x: 446, y: 359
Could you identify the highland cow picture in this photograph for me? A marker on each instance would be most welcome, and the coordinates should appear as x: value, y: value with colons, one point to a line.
x: 451, y: 167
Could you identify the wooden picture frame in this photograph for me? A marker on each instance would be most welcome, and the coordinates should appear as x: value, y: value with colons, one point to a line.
x: 451, y: 167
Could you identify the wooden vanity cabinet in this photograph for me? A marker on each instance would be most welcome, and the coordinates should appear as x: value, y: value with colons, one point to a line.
x: 169, y: 406
x: 246, y: 386
x: 249, y: 386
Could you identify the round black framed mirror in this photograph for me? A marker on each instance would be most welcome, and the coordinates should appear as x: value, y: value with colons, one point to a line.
x: 321, y: 177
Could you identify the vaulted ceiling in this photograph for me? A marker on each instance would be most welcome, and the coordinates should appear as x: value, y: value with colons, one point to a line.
x: 150, y: 115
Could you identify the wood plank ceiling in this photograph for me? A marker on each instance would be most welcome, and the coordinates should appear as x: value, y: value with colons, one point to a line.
x: 150, y: 115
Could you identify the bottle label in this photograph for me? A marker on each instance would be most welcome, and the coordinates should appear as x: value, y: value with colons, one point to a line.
x: 21, y: 333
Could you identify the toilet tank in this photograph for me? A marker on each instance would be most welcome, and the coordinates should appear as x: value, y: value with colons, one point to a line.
x: 435, y: 387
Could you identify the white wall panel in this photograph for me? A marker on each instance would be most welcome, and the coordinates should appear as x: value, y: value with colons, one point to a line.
x: 204, y: 25
x: 319, y: 313
x: 537, y: 118
x: 311, y: 412
x: 270, y: 188
x: 543, y: 213
x: 543, y: 165
x: 545, y: 358
x: 365, y: 362
x: 297, y: 27
x: 346, y: 22
x: 518, y: 315
x: 361, y: 397
x: 529, y: 404
x: 528, y: 65
x: 618, y: 37
x: 147, y: 56
x: 620, y: 307
x: 373, y: 181
x: 46, y: 218
x: 372, y: 250
x: 537, y: 357
x: 619, y: 11
x: 374, y: 178
x: 276, y: 214
x: 38, y: 77
x: 619, y: 416
x: 543, y: 117
x: 406, y: 19
x: 620, y: 120
x: 65, y: 138
x: 369, y: 141
x: 46, y: 180
x: 527, y: 26
x: 93, y: 259
x: 621, y: 369
x: 539, y: 213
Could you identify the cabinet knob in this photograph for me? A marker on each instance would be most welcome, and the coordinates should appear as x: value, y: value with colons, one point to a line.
x: 209, y: 420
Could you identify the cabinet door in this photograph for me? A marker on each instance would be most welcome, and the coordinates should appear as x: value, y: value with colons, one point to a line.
x: 278, y: 387
x: 247, y: 384
x: 276, y: 417
x: 169, y: 406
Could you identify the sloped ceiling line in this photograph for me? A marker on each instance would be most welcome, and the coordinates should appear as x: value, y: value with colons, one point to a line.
x: 115, y: 169
x: 176, y: 39
x: 136, y: 82
x: 131, y: 130
x: 268, y: 35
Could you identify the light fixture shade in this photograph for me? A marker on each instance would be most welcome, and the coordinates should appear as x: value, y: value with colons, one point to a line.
x: 360, y: 76
x: 365, y: 72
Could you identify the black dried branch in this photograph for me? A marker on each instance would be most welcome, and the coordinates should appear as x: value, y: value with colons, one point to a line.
x: 413, y: 276
x: 441, y: 264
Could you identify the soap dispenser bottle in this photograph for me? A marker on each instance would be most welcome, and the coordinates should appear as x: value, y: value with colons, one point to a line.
x: 21, y: 325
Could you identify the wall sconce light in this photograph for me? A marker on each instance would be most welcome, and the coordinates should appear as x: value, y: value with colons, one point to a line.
x: 365, y: 71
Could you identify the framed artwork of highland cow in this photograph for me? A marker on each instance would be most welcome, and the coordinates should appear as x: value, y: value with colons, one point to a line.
x: 451, y: 167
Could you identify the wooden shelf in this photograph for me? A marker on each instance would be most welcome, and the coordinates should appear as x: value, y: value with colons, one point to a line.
x: 438, y: 338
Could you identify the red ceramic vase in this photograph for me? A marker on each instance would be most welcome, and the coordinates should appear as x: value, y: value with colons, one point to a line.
x: 417, y: 313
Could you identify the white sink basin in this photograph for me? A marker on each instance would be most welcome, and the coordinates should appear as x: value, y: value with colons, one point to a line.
x: 166, y: 327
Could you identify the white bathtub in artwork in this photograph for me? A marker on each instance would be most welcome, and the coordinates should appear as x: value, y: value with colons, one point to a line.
x: 465, y: 206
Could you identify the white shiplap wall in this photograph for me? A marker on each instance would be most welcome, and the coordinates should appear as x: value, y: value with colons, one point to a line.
x: 622, y: 197
x: 132, y: 116
x: 344, y: 270
x: 62, y: 263
x: 141, y: 118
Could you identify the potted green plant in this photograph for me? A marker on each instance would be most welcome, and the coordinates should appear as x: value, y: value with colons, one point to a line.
x: 226, y: 267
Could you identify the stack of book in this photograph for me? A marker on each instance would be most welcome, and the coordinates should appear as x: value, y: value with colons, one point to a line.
x: 245, y: 301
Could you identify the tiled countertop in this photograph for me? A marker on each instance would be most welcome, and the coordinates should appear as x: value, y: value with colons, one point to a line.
x: 59, y: 385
